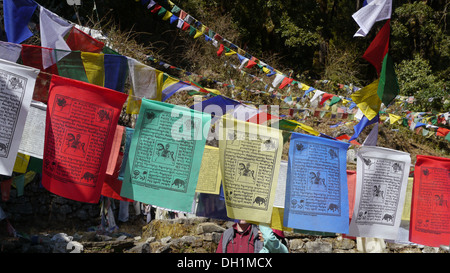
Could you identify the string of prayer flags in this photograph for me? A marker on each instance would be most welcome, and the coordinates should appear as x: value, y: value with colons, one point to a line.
x: 382, y: 178
x: 81, y: 122
x: 374, y: 11
x: 316, y: 186
x: 209, y: 178
x: 17, y: 14
x: 16, y: 92
x: 250, y: 156
x: 165, y: 155
x: 430, y: 213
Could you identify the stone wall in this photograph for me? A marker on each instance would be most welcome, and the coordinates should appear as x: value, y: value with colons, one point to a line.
x: 39, y: 207
x: 41, y: 210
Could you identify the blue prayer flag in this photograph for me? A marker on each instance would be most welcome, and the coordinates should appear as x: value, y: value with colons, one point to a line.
x: 17, y: 15
x: 116, y: 71
x: 316, y: 186
x: 362, y: 124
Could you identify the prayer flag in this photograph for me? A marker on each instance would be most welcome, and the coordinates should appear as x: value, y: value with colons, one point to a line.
x: 80, y: 127
x: 78, y: 40
x: 209, y: 178
x: 17, y: 14
x: 16, y: 90
x: 71, y: 65
x: 374, y: 11
x: 53, y: 28
x: 430, y: 213
x: 116, y: 71
x: 10, y: 51
x: 382, y: 178
x: 368, y: 100
x: 316, y: 186
x: 363, y: 123
x: 250, y: 156
x: 94, y: 66
x: 388, y: 87
x: 379, y: 47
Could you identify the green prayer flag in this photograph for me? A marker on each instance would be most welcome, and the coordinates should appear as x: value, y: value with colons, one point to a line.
x: 71, y: 65
x: 388, y: 87
x: 165, y: 155
x: 334, y: 100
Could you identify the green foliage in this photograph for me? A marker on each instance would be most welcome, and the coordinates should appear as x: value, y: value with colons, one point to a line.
x: 416, y: 79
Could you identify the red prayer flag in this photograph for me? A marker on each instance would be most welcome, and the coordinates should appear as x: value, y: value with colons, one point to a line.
x: 262, y: 118
x: 430, y: 203
x: 220, y: 51
x: 351, y: 183
x: 156, y: 8
x: 326, y: 97
x: 379, y: 47
x: 251, y: 63
x: 78, y: 40
x: 32, y: 56
x: 442, y: 131
x: 80, y: 126
x: 285, y: 82
x: 112, y: 185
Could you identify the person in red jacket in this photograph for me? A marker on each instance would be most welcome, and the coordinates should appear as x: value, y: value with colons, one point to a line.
x: 242, y: 237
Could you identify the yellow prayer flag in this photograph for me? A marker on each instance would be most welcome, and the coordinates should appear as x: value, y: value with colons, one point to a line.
x: 266, y: 70
x: 305, y: 87
x: 198, y: 33
x: 209, y: 177
x: 232, y: 52
x: 21, y: 164
x: 306, y: 128
x: 94, y: 66
x: 214, y: 91
x: 394, y: 118
x: 367, y: 100
x: 407, y: 205
x: 167, y: 15
x: 133, y: 103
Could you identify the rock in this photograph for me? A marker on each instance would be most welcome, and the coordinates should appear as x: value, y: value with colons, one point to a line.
x: 62, y: 237
x: 319, y: 247
x: 296, y: 244
x: 209, y: 228
x: 165, y: 240
x: 343, y: 243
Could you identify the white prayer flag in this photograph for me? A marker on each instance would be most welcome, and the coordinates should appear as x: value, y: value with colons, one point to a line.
x: 15, y: 98
x: 381, y: 181
x: 374, y: 11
